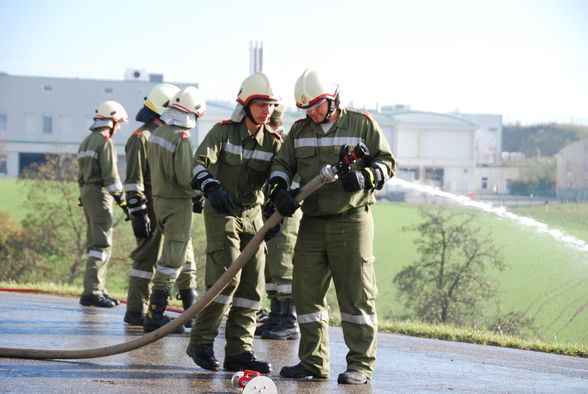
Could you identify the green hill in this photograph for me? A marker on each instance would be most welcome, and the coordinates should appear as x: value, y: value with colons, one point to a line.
x: 546, y: 278
x: 541, y: 139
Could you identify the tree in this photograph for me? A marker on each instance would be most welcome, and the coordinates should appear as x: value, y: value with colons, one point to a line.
x: 448, y: 283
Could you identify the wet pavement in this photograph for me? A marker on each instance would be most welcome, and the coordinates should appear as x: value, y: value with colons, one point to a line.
x: 405, y: 364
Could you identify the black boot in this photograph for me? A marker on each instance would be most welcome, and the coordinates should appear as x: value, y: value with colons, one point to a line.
x: 298, y: 371
x: 246, y: 360
x: 188, y: 297
x: 273, y: 319
x: 203, y: 356
x: 288, y: 327
x: 134, y: 318
x: 96, y: 300
x: 156, y: 317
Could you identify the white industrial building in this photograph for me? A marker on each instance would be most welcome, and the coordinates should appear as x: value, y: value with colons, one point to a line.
x: 39, y: 115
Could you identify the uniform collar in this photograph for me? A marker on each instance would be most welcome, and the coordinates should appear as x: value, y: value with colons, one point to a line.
x: 259, y: 136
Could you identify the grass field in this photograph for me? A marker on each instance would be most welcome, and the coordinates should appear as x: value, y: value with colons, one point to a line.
x: 547, y: 278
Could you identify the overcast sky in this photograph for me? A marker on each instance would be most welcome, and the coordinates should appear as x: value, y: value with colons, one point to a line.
x: 526, y: 60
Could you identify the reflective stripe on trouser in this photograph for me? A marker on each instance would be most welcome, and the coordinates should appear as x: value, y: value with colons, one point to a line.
x: 145, y: 258
x: 226, y: 237
x: 174, y: 219
x: 278, y: 262
x: 97, y: 204
x: 342, y: 249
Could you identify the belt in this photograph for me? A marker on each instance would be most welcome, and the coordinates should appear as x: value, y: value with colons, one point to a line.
x: 348, y: 212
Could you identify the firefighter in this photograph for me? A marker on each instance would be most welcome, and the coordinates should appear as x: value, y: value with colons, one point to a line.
x: 281, y: 321
x: 99, y: 183
x: 231, y: 166
x: 335, y: 240
x: 140, y: 203
x: 169, y: 154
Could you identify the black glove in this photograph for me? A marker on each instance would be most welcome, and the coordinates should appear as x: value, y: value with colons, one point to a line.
x: 275, y: 185
x: 137, y: 205
x: 197, y: 205
x: 141, y: 225
x: 285, y: 202
x: 122, y: 203
x: 268, y: 211
x: 221, y: 201
x: 357, y: 180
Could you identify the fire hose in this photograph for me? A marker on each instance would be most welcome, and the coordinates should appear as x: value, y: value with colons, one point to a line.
x: 328, y: 174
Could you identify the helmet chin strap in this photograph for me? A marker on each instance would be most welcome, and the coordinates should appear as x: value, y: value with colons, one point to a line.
x: 329, y: 112
x: 249, y: 116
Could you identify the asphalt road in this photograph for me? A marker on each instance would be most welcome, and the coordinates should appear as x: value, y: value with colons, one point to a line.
x: 405, y: 364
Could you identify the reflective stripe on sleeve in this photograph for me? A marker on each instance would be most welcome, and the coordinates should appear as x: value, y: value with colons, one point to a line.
x: 270, y: 287
x: 88, y: 153
x: 313, y: 317
x: 134, y: 187
x: 222, y: 299
x: 371, y: 320
x: 282, y: 175
x: 141, y: 274
x: 115, y: 187
x: 198, y: 168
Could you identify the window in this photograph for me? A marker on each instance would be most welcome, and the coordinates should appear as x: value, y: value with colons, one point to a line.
x: 47, y: 88
x: 107, y: 90
x: 484, y: 183
x: 3, y: 171
x: 3, y: 122
x: 47, y: 124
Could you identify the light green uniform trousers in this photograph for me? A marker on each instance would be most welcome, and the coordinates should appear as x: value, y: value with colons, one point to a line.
x: 338, y: 247
x: 226, y: 237
x: 97, y: 205
x: 174, y: 219
x: 278, y: 262
x: 145, y: 257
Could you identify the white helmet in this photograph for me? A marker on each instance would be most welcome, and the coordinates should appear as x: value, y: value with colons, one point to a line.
x: 256, y: 87
x: 310, y: 90
x: 159, y: 97
x: 189, y: 100
x: 111, y: 110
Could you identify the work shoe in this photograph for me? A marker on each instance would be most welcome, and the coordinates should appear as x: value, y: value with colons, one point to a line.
x: 96, y: 300
x: 188, y: 297
x: 298, y: 371
x: 155, y: 317
x: 134, y: 318
x: 246, y: 360
x: 203, y: 356
x: 116, y: 302
x: 352, y: 377
x: 288, y: 327
x: 273, y: 319
x: 261, y: 315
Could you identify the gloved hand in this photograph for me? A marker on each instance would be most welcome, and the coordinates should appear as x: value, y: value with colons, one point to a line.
x: 274, y: 186
x: 268, y: 211
x: 357, y: 180
x: 197, y: 204
x: 141, y: 225
x: 221, y: 201
x: 137, y: 205
x: 122, y: 203
x: 285, y: 202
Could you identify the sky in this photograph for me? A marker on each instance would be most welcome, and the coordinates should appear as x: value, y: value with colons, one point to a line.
x: 524, y: 59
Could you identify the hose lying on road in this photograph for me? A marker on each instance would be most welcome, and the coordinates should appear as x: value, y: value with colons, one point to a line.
x: 173, y: 325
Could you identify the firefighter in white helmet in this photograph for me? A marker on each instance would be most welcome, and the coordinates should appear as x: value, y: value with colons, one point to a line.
x: 230, y: 167
x: 335, y: 239
x: 281, y: 321
x: 169, y: 154
x: 99, y: 183
x: 139, y: 194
